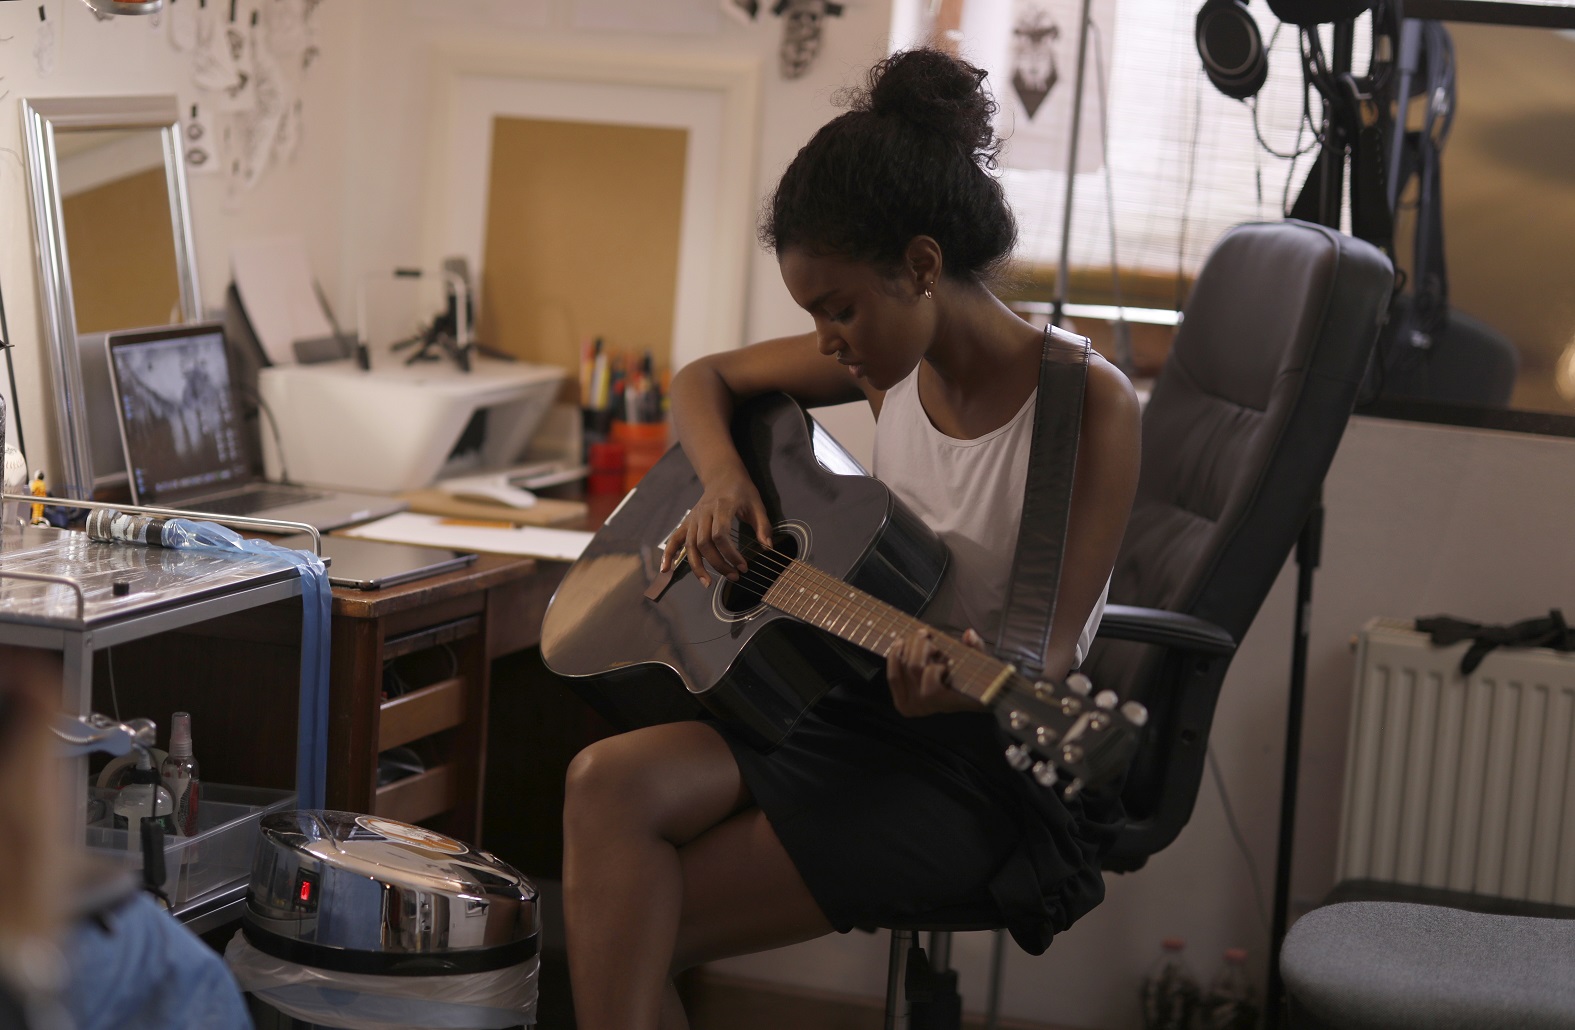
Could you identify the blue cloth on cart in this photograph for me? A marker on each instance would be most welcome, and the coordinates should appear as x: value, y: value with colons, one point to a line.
x: 311, y: 771
x: 135, y: 966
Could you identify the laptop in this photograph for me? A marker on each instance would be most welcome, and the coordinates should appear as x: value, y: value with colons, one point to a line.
x: 185, y: 438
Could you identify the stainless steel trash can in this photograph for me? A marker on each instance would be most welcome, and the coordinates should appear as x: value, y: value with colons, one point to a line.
x: 348, y: 913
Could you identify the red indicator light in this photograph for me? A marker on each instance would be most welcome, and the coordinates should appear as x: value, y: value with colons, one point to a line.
x: 306, y: 891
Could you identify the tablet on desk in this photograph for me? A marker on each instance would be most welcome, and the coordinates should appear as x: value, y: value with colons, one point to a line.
x: 373, y: 564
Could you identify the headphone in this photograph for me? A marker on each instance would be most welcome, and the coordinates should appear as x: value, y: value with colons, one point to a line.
x: 1231, y: 47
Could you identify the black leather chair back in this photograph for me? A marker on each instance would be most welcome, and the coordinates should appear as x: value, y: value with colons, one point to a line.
x: 1238, y: 432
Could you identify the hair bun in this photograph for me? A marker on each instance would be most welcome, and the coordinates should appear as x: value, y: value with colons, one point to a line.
x: 937, y: 91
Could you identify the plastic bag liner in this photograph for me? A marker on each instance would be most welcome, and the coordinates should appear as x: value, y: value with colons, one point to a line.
x: 311, y: 768
x: 360, y: 1001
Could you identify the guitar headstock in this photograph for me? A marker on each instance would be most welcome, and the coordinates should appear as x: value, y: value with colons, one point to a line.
x: 1065, y: 733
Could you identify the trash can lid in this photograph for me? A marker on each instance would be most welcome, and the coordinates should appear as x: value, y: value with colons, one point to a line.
x: 362, y: 893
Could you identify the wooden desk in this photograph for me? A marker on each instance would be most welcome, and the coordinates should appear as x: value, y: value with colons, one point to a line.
x: 429, y: 646
x: 432, y: 641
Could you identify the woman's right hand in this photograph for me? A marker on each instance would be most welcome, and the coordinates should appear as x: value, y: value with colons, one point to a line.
x: 706, y: 533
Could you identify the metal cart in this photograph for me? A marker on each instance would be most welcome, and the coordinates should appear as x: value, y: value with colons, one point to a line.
x: 63, y: 592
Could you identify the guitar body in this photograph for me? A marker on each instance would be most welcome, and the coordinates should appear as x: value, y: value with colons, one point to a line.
x: 639, y: 660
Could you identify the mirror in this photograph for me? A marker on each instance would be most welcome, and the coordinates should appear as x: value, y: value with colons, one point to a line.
x: 113, y: 238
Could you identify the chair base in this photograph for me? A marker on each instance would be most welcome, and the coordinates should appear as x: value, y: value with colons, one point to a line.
x: 921, y: 990
x: 921, y: 994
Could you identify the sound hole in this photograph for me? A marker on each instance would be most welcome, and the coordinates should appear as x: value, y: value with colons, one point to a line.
x: 747, y: 594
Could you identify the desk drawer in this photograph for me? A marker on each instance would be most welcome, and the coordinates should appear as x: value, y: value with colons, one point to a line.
x: 419, y: 797
x: 432, y: 709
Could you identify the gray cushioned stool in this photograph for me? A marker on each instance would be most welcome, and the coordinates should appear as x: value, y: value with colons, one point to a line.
x: 1383, y: 965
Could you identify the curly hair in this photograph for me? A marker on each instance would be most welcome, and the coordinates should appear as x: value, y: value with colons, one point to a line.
x: 912, y: 156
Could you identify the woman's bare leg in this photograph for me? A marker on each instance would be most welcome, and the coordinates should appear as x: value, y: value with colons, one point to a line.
x: 664, y: 867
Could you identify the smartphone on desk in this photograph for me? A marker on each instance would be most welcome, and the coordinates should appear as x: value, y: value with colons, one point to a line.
x: 373, y: 564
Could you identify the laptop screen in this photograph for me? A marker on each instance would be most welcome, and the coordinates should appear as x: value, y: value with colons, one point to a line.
x: 179, y: 419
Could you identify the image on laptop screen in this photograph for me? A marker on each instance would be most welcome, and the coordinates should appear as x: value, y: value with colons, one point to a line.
x: 178, y: 408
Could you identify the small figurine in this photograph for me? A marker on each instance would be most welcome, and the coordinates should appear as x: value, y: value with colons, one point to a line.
x: 38, y: 489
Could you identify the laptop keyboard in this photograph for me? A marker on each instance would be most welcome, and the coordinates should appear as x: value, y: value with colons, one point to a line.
x: 258, y: 499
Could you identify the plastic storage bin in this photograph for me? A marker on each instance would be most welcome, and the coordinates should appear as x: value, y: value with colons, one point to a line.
x: 219, y: 855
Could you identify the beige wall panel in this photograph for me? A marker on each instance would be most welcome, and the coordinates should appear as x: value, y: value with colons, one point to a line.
x: 582, y: 239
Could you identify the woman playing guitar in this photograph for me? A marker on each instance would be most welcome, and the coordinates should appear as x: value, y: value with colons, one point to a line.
x: 889, y: 803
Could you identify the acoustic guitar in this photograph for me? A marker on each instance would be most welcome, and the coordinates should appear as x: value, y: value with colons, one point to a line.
x: 843, y: 580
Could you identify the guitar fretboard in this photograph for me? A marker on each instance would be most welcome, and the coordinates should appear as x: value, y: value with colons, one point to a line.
x: 847, y: 613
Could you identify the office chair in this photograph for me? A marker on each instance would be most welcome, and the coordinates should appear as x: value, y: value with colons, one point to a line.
x: 1391, y: 965
x: 1239, y: 429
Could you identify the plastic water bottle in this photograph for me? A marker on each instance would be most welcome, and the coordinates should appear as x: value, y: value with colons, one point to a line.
x: 1230, y: 1002
x: 1170, y: 991
x: 13, y: 474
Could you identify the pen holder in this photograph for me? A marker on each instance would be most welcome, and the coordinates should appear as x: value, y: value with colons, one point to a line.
x: 644, y: 443
x: 607, y: 463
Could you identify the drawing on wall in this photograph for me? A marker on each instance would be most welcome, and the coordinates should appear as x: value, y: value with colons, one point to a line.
x: 44, y: 44
x: 802, y: 26
x: 1035, y: 115
x: 183, y: 23
x: 198, y: 142
x: 248, y: 61
x: 1034, y: 37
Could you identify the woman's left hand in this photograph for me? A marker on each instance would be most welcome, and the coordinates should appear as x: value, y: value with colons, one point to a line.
x: 919, y: 674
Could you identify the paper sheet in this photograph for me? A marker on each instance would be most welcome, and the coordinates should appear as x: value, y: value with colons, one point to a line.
x: 437, y: 531
x: 274, y: 279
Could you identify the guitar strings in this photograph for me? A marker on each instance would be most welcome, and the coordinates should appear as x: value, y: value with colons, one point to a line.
x: 780, y: 562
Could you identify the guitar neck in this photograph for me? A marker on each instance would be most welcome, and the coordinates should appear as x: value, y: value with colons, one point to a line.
x: 850, y: 614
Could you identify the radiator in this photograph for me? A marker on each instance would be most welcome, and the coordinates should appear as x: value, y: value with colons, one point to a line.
x: 1460, y: 782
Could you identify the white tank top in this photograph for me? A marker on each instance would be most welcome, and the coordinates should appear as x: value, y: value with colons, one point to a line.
x: 970, y: 492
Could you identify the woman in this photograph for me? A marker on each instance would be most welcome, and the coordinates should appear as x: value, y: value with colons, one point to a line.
x: 884, y: 806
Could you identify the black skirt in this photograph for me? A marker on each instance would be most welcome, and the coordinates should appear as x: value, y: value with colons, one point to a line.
x: 899, y: 822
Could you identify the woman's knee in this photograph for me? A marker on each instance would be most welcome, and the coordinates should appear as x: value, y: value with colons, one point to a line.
x: 671, y: 781
x: 605, y: 776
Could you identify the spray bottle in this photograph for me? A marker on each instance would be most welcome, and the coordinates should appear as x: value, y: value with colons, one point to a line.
x: 179, y: 770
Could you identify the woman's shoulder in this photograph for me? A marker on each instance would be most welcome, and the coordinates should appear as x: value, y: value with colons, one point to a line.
x: 1109, y: 390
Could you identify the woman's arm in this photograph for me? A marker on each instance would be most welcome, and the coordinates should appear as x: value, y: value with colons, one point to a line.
x: 703, y: 397
x: 1102, y: 493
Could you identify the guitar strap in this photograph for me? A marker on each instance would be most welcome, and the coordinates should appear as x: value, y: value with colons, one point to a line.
x: 1047, y: 501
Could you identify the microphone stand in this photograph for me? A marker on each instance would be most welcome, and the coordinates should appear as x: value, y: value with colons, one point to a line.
x: 1058, y: 309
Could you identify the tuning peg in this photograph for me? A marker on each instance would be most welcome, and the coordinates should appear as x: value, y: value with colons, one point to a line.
x: 1018, y: 720
x: 1136, y: 714
x: 1073, y: 789
x: 1044, y: 774
x: 1044, y: 736
x: 1019, y: 757
x: 1106, y: 699
x: 1079, y: 684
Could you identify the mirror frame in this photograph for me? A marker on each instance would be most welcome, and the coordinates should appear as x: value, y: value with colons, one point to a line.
x: 42, y: 118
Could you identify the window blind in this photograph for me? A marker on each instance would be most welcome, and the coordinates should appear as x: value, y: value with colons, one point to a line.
x: 1185, y: 162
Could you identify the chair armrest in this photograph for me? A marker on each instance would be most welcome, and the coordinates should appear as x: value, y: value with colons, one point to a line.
x: 1168, y: 629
